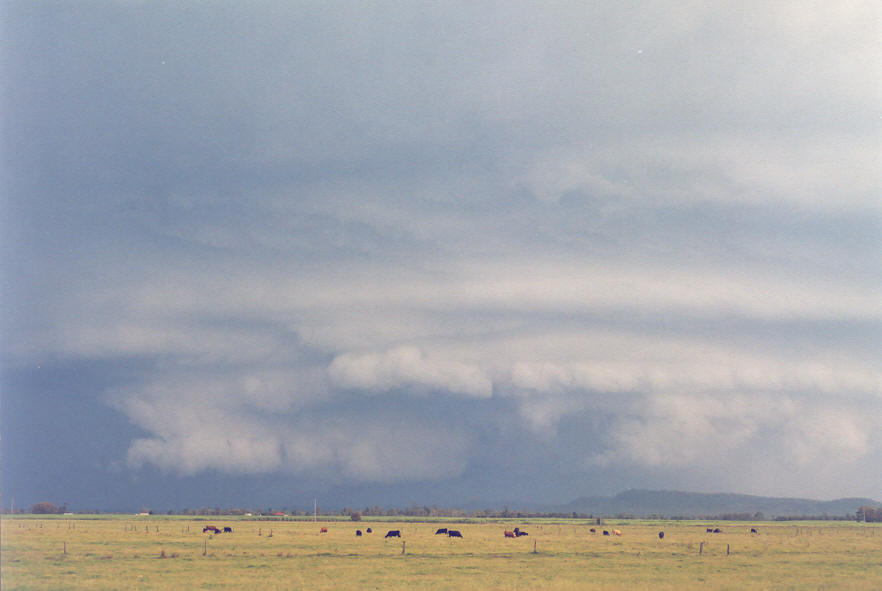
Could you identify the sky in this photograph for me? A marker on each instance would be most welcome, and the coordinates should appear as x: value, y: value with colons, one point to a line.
x: 439, y: 253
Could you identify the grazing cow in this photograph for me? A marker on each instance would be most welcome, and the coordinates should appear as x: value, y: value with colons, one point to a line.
x: 393, y: 533
x: 509, y: 534
x: 592, y: 530
x: 228, y: 530
x: 718, y: 530
x: 521, y: 533
x: 358, y: 532
x: 441, y: 530
x: 606, y: 533
x: 370, y: 531
x: 710, y: 530
x: 452, y: 533
x: 211, y: 528
x: 661, y: 535
x: 617, y: 532
x: 753, y: 530
x: 516, y: 530
x: 323, y: 530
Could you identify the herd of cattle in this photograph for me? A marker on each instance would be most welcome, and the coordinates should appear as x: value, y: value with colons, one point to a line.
x: 453, y: 533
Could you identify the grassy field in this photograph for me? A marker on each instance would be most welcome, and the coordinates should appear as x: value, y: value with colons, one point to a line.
x: 156, y: 552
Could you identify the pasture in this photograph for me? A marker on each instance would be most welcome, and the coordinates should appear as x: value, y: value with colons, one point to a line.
x: 157, y: 552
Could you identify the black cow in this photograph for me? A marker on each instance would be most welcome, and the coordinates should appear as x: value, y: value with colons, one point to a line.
x: 718, y: 530
x: 452, y: 533
x: 228, y: 530
x: 592, y: 530
x: 370, y: 531
x: 441, y: 530
x: 521, y: 533
x: 393, y: 533
x: 606, y: 533
x: 211, y: 528
x: 358, y: 532
x: 710, y: 530
x: 661, y: 535
x: 753, y: 530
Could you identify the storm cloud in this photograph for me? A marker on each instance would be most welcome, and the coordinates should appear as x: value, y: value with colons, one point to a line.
x: 599, y: 246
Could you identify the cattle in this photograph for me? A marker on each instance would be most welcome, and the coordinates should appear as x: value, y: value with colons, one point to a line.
x: 358, y: 533
x: 617, y: 532
x: 661, y: 535
x: 606, y: 533
x: 516, y: 530
x: 509, y: 534
x: 452, y: 533
x: 592, y: 530
x: 228, y: 530
x: 753, y: 530
x: 718, y: 530
x: 441, y: 530
x: 211, y: 528
x: 393, y: 533
x: 710, y: 530
x: 521, y: 533
x: 323, y: 530
x: 370, y: 531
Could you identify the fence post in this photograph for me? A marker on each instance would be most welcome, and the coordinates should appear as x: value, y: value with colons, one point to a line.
x: 700, y: 548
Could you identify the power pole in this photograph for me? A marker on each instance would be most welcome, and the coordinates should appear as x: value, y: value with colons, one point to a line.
x: 314, y: 510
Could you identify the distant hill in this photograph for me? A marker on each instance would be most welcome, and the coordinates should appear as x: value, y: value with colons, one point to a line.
x: 688, y: 504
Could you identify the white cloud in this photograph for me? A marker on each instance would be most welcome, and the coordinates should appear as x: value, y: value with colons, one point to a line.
x: 407, y: 367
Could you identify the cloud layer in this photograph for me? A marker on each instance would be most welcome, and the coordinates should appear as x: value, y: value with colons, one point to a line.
x: 398, y: 244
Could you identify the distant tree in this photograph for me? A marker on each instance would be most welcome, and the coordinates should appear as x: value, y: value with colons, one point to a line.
x: 869, y: 514
x: 355, y: 516
x: 44, y: 508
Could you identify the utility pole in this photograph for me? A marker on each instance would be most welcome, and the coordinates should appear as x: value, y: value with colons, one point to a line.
x: 314, y: 510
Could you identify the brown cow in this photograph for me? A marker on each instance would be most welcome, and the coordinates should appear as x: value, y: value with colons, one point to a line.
x: 324, y: 530
x: 509, y: 534
x: 617, y: 532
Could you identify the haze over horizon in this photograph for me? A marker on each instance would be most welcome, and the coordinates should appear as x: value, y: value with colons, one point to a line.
x: 435, y: 253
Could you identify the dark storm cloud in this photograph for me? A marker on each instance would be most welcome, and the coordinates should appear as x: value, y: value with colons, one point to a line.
x: 475, y: 244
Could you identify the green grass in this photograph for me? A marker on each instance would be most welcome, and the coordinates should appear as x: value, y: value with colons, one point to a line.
x: 126, y: 552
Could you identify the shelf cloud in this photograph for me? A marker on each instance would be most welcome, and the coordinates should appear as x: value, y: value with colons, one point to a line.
x: 564, y: 250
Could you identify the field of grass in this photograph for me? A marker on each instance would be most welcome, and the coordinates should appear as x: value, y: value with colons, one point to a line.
x: 158, y: 552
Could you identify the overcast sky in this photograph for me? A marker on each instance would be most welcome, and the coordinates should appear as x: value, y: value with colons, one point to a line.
x: 254, y: 253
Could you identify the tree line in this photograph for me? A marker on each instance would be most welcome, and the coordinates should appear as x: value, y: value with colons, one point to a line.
x: 864, y: 513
